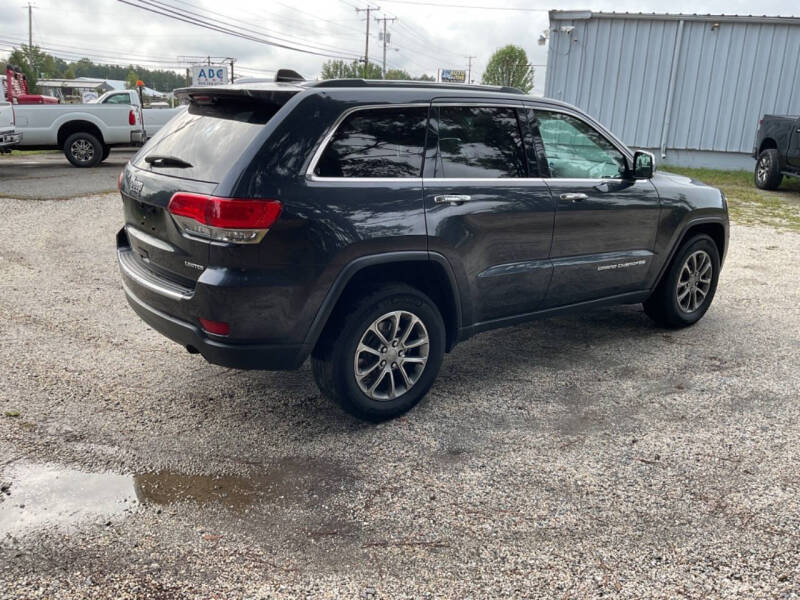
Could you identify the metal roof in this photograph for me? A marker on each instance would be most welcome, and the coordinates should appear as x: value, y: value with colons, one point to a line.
x: 576, y: 15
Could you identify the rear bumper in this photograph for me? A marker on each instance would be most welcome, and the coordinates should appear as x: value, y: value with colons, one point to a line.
x: 237, y: 356
x: 11, y: 138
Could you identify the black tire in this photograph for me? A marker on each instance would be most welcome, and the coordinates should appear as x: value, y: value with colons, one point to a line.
x: 106, y: 152
x: 665, y: 306
x: 333, y: 361
x: 767, y: 173
x: 83, y: 150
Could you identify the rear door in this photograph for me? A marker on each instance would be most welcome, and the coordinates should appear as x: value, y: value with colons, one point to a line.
x: 793, y: 152
x: 192, y: 154
x: 605, y: 221
x: 488, y: 211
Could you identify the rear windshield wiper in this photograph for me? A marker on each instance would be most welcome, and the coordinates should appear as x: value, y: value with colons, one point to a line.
x: 159, y: 160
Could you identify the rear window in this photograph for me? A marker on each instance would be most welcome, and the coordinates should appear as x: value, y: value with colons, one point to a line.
x: 210, y: 138
x: 380, y: 142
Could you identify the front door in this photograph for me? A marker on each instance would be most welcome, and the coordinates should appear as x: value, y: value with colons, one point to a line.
x: 487, y: 210
x: 605, y: 222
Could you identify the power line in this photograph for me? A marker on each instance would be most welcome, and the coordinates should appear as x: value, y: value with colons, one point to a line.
x: 200, y: 18
x: 222, y: 28
x: 439, y: 5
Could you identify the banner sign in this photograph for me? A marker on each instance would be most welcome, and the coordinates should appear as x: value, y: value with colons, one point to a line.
x: 205, y: 75
x: 454, y: 75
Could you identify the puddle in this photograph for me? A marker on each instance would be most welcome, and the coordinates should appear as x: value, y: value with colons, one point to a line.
x: 42, y: 495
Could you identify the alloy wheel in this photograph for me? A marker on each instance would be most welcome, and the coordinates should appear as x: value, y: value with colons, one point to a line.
x: 762, y: 169
x: 391, y: 355
x: 694, y: 281
x: 82, y: 150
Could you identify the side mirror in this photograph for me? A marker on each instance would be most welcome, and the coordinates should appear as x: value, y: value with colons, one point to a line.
x: 644, y: 165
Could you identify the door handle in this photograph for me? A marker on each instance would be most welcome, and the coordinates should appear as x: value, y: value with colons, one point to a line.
x: 452, y: 199
x: 574, y: 197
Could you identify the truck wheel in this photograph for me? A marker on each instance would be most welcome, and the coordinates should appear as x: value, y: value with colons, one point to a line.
x: 768, y: 170
x: 687, y: 288
x: 106, y: 152
x: 83, y: 150
x: 383, y: 354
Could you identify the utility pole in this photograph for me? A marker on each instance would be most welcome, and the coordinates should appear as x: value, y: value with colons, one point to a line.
x: 469, y: 68
x: 385, y: 38
x: 233, y: 60
x: 367, y: 10
x: 30, y: 27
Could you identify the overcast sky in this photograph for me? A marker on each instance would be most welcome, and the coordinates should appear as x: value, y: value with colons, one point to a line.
x: 424, y: 37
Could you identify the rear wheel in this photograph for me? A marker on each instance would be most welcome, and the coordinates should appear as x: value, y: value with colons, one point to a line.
x: 83, y: 149
x: 685, y: 292
x: 382, y: 356
x: 106, y: 152
x: 768, y: 170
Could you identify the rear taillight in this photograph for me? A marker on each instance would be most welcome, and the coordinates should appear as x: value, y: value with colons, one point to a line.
x: 119, y: 179
x: 236, y: 220
x: 13, y: 116
x: 131, y: 117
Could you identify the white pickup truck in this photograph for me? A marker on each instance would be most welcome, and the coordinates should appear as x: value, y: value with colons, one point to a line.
x: 84, y: 132
x: 9, y: 136
x: 153, y: 118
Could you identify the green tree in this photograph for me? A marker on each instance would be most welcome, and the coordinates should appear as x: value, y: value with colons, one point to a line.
x: 397, y: 74
x: 425, y: 77
x: 130, y: 79
x: 509, y: 66
x: 338, y: 69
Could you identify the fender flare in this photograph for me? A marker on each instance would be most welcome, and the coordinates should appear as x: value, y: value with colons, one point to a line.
x: 347, y: 273
x: 679, y: 239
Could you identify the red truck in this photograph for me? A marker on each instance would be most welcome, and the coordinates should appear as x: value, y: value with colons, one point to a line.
x: 17, y: 89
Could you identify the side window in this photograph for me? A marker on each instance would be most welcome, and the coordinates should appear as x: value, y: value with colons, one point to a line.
x: 380, y: 142
x: 118, y: 99
x: 576, y: 150
x: 480, y: 142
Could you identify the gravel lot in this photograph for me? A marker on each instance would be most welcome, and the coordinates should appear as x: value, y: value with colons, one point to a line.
x: 580, y: 457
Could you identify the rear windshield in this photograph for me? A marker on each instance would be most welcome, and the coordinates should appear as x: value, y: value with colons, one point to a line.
x: 209, y: 137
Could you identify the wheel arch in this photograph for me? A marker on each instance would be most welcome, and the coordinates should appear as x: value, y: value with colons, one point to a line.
x: 70, y: 127
x: 714, y: 228
x: 431, y: 273
x: 767, y: 144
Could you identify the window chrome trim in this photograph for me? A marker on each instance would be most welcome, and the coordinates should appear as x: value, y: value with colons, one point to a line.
x: 494, y: 180
x: 335, y: 127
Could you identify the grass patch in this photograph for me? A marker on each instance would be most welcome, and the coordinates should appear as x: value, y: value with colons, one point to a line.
x: 749, y: 205
x: 27, y: 153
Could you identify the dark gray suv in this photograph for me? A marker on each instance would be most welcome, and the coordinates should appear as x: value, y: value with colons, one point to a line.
x: 374, y: 225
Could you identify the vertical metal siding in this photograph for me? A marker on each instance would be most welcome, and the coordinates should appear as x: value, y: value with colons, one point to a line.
x: 617, y: 70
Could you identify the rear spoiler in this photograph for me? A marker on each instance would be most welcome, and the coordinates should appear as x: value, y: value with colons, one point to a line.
x: 273, y: 93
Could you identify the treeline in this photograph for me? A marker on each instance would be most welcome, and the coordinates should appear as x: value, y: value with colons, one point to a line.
x: 339, y: 69
x: 37, y: 64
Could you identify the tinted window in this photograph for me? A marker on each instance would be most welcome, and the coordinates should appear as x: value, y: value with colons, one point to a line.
x: 209, y: 137
x: 480, y: 142
x: 383, y: 142
x: 576, y: 150
x: 118, y: 99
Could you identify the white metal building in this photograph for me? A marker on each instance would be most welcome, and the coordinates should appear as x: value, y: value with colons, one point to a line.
x: 690, y: 88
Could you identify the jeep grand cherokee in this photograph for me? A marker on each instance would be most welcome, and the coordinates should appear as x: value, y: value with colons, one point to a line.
x: 374, y: 225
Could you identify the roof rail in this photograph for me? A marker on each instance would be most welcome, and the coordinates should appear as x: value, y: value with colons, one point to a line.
x: 335, y: 83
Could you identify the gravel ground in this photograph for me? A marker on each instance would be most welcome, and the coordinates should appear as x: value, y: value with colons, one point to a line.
x: 580, y: 457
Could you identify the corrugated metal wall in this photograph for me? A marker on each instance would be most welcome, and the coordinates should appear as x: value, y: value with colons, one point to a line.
x: 618, y: 70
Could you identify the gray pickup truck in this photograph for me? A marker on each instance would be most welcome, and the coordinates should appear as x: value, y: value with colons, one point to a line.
x: 776, y: 150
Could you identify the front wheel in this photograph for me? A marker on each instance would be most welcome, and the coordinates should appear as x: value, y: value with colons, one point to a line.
x: 687, y: 288
x: 380, y: 358
x: 83, y: 149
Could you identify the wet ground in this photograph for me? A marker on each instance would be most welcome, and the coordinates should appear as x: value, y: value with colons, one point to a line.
x: 584, y: 456
x: 50, y: 175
